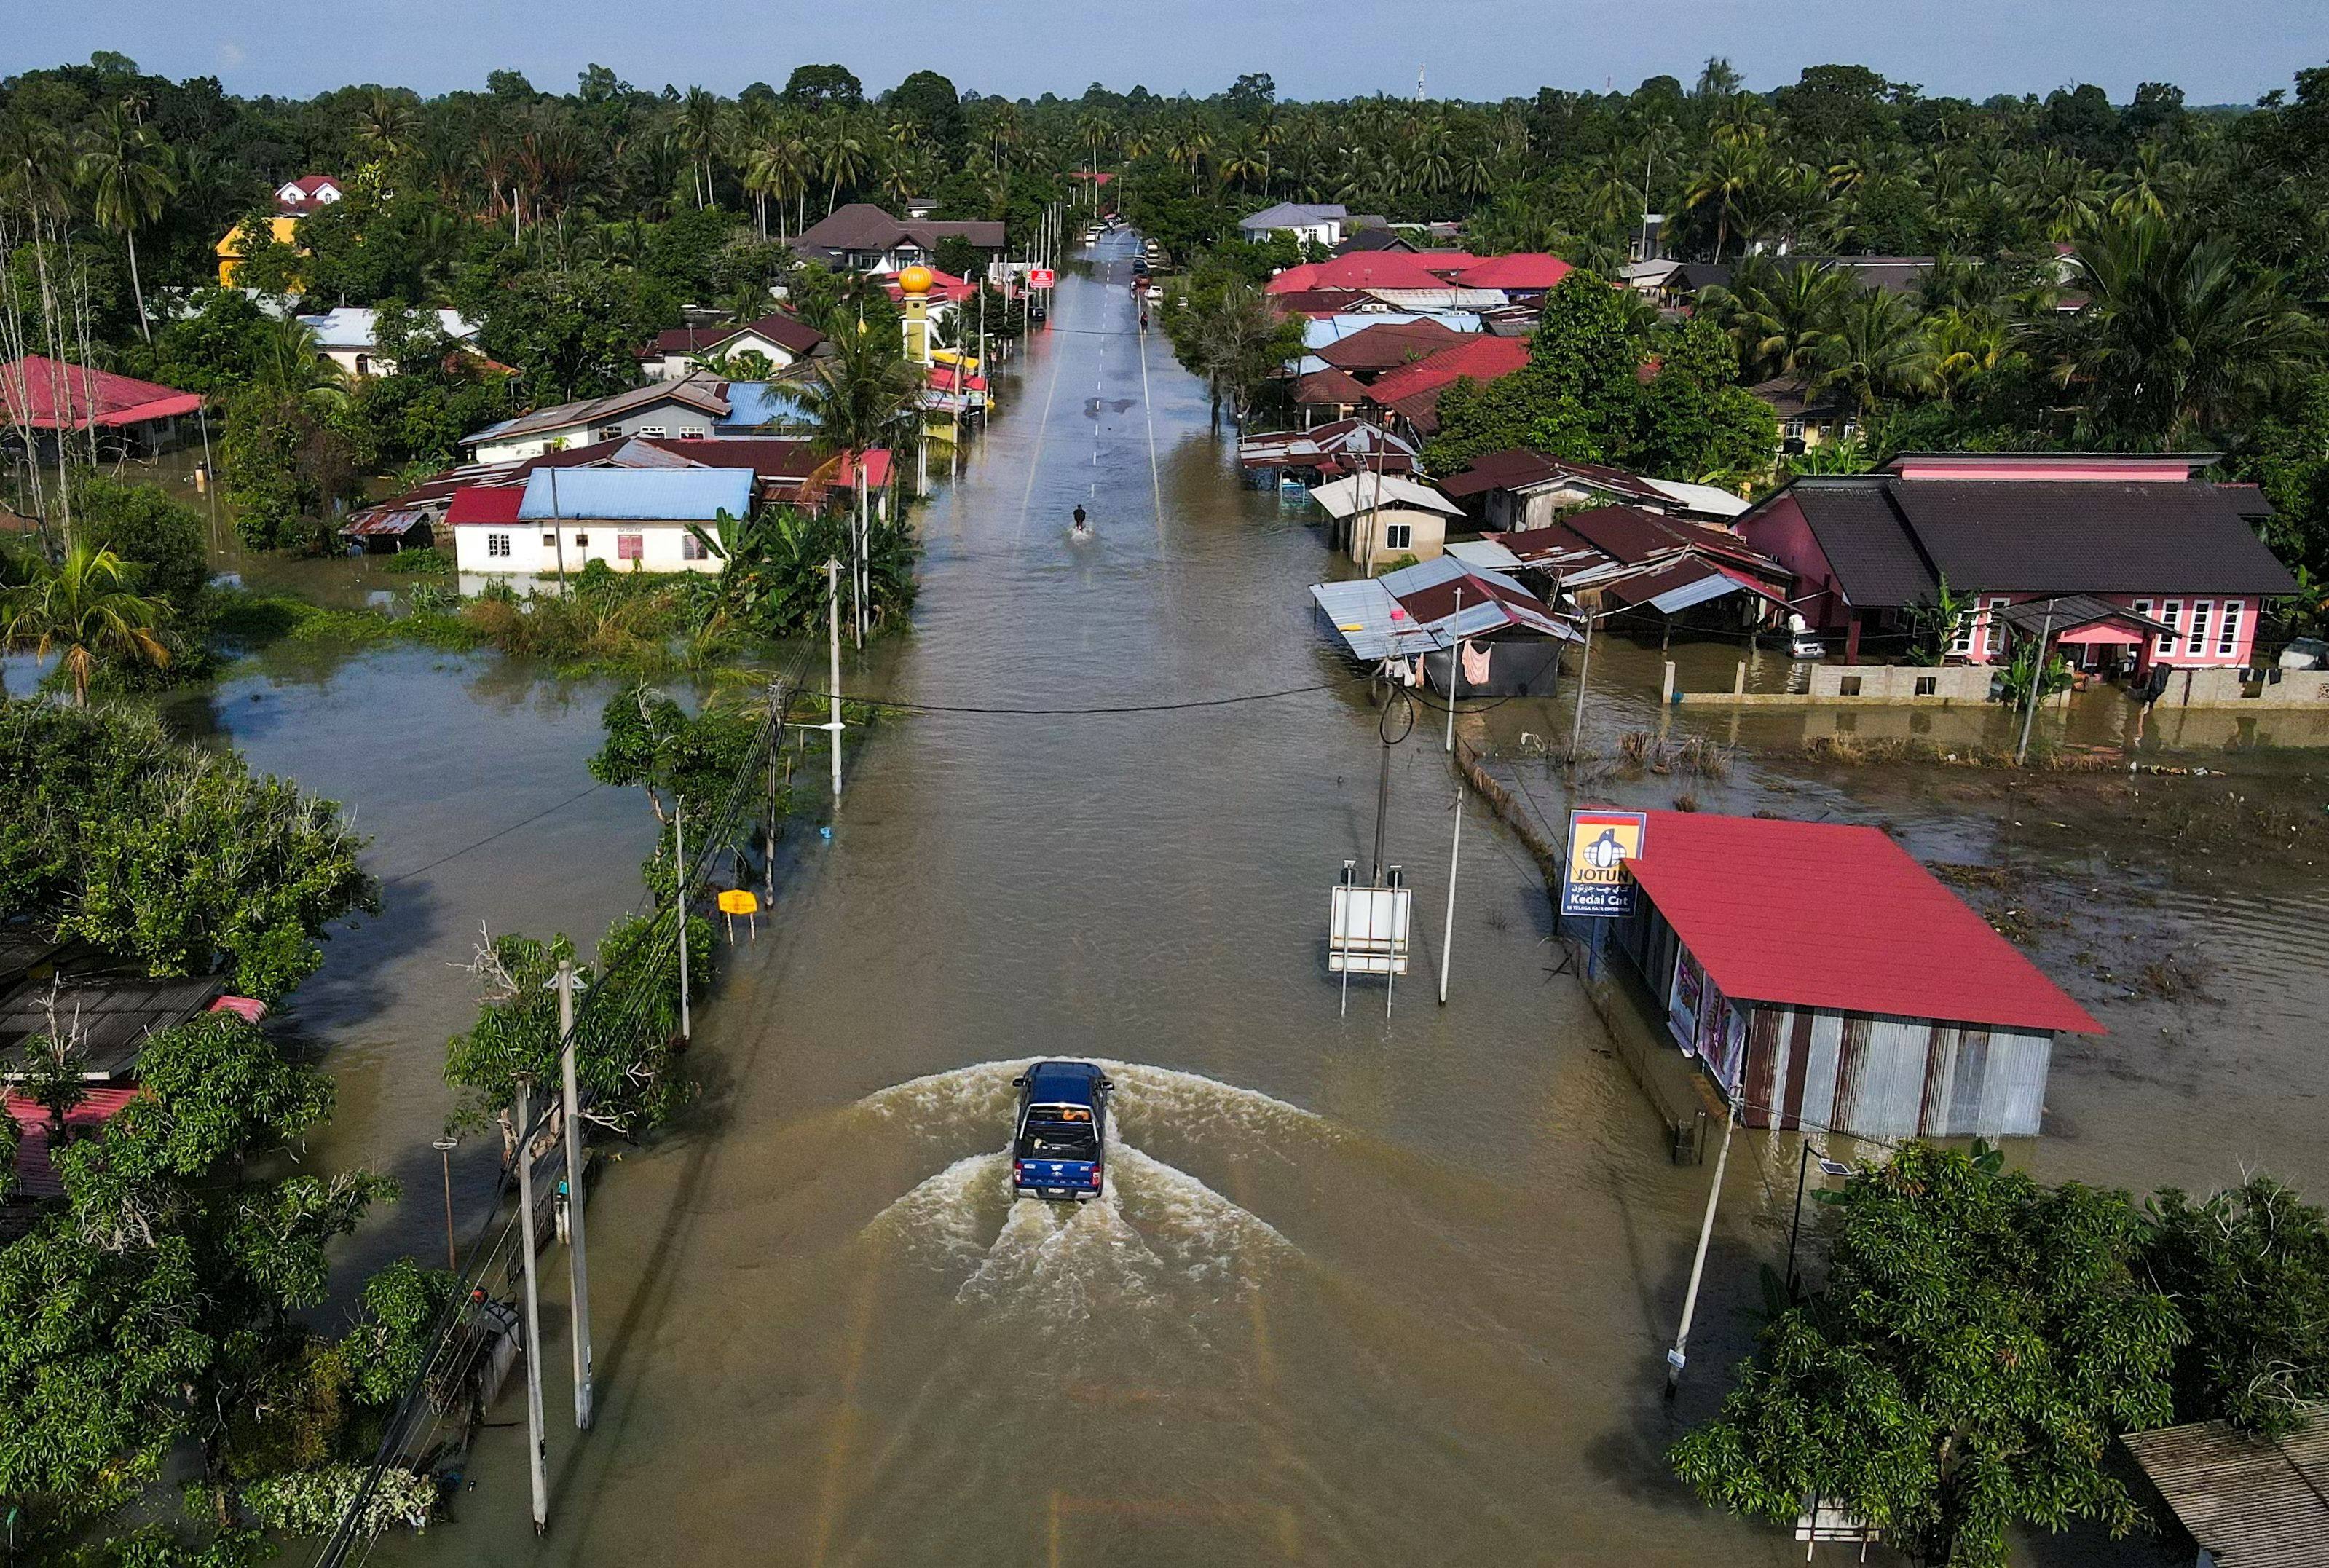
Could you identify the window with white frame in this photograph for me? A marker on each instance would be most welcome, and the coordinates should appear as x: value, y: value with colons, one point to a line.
x: 1995, y: 640
x: 651, y: 432
x: 497, y: 545
x: 2170, y: 614
x: 691, y: 548
x: 630, y: 546
x: 1398, y: 535
x: 2197, y: 644
x: 1961, y: 635
x: 2227, y: 635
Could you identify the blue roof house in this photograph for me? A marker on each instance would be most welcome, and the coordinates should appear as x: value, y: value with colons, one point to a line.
x: 632, y: 519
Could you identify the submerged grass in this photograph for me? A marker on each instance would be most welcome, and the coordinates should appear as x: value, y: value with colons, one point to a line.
x: 604, y: 623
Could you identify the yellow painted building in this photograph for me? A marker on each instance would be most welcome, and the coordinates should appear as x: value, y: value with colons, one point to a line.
x: 232, y: 248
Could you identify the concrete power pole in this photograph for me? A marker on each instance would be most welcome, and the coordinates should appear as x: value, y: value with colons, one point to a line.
x: 578, y: 1264
x: 833, y: 623
x: 537, y: 1450
x: 679, y: 854
x: 1679, y: 1357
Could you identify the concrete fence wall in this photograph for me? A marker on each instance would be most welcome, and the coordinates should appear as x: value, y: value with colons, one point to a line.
x: 1930, y: 686
x: 1901, y: 683
x: 2226, y: 688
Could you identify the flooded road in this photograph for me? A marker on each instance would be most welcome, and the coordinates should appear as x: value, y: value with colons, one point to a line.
x: 1362, y: 1289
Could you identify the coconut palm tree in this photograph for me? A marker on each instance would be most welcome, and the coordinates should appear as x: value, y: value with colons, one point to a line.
x: 1779, y: 315
x: 2177, y: 339
x: 862, y: 395
x: 81, y: 609
x: 127, y: 171
x: 1876, y: 351
x: 844, y: 155
x: 1722, y: 183
x: 703, y: 129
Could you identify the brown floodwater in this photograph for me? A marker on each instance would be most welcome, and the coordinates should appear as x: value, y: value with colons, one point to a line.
x: 1365, y: 1288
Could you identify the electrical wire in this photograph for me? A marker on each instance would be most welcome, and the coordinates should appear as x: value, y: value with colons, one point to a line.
x: 488, y: 838
x: 638, y: 999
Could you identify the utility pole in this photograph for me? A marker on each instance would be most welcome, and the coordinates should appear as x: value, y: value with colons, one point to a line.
x: 776, y: 741
x: 2037, y: 684
x: 1448, y: 931
x: 577, y: 1264
x: 1678, y: 1356
x: 1454, y: 668
x: 1382, y: 782
x: 1584, y: 667
x: 679, y: 854
x: 857, y: 537
x: 833, y: 690
x: 537, y: 1451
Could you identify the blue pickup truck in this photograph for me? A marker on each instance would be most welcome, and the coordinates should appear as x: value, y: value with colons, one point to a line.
x: 1057, y: 1144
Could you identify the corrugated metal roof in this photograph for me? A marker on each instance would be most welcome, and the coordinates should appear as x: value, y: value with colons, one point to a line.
x: 1415, y: 609
x: 637, y: 495
x: 2251, y: 1502
x: 1818, y: 914
x: 753, y: 403
x: 2070, y: 536
x: 1371, y: 492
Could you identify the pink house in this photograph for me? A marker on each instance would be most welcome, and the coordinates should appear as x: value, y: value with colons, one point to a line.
x: 2142, y: 534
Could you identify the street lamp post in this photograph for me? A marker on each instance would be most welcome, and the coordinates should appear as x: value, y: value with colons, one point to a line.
x: 445, y: 1145
x: 1831, y: 1168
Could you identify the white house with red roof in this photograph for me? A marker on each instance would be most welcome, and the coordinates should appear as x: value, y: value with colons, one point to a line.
x: 1824, y: 980
x: 307, y: 193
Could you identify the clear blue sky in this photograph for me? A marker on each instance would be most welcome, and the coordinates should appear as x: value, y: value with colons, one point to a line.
x: 1478, y: 48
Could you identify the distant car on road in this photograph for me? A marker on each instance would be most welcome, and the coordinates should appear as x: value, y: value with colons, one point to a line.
x: 1155, y: 291
x: 1057, y: 1142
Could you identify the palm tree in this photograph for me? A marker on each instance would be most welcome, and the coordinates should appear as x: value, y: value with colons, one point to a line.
x: 125, y: 168
x: 862, y: 394
x: 843, y: 156
x: 1877, y: 350
x: 385, y: 123
x: 1779, y: 316
x: 2176, y: 339
x: 81, y: 609
x: 1732, y: 167
x: 703, y: 127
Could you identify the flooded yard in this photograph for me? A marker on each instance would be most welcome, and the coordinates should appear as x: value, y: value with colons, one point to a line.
x: 1390, y: 1285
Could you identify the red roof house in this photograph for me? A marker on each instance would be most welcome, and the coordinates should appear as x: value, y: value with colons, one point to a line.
x: 1360, y: 270
x: 1827, y: 981
x: 1481, y: 356
x: 485, y: 503
x: 1522, y: 273
x: 36, y: 1176
x: 50, y: 394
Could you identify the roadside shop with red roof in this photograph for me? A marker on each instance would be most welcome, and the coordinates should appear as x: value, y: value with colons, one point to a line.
x: 1825, y: 980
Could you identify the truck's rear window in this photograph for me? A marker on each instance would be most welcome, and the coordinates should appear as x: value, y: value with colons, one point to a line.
x: 1057, y: 1141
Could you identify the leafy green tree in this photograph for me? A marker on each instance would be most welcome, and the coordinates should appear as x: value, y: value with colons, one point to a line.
x: 571, y: 334
x: 1979, y: 1339
x: 819, y: 87
x: 218, y: 869
x: 2289, y: 457
x: 174, y: 857
x: 655, y: 745
x: 2249, y: 1270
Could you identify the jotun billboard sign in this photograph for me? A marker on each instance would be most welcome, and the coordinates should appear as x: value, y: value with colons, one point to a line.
x: 1595, y: 883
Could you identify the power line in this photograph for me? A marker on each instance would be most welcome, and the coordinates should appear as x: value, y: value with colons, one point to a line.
x: 488, y: 838
x: 646, y: 962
